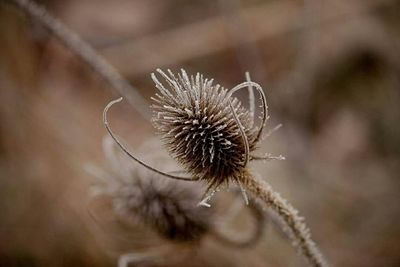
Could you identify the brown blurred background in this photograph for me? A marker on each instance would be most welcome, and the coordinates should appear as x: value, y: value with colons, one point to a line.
x: 331, y: 72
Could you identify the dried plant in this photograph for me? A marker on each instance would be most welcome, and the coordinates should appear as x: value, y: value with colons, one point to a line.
x: 193, y: 114
x: 207, y: 130
x: 139, y: 196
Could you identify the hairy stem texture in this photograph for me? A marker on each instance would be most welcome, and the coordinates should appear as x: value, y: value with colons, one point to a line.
x: 294, y: 224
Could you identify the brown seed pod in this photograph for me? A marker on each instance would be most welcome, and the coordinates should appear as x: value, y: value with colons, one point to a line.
x: 204, y: 128
x: 168, y: 207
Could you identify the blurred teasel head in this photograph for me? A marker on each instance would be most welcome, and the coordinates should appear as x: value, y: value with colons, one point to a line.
x: 140, y: 196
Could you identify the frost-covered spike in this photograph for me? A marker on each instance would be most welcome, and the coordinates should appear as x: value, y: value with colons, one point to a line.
x: 268, y: 157
x: 161, y: 87
x: 212, y: 152
x: 204, y: 201
x: 172, y: 82
x: 197, y: 107
x: 189, y: 112
x: 270, y: 132
x: 244, y: 194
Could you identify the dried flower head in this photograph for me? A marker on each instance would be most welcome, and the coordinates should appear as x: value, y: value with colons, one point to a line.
x: 140, y: 196
x: 205, y: 128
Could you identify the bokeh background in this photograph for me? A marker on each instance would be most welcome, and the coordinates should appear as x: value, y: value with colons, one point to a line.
x: 331, y: 72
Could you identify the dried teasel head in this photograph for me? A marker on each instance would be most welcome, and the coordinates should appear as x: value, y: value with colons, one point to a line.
x: 140, y: 196
x: 169, y: 208
x: 205, y: 128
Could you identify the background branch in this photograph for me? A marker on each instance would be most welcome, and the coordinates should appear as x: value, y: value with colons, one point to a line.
x: 83, y: 50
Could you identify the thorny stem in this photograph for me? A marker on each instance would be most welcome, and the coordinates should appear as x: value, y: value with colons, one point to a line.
x: 106, y: 124
x: 83, y: 50
x: 295, y: 226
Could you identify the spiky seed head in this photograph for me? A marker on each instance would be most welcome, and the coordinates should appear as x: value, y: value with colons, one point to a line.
x: 140, y: 196
x: 199, y: 129
x: 168, y: 206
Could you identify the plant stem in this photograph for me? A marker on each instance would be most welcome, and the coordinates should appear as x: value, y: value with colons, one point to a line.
x: 294, y: 224
x: 83, y: 50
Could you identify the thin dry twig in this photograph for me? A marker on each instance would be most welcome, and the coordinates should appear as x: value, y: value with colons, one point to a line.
x: 83, y: 50
x: 127, y: 152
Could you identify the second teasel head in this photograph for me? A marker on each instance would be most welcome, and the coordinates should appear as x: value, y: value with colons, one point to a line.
x: 204, y: 127
x: 141, y: 197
